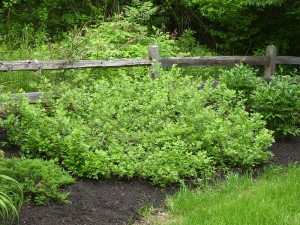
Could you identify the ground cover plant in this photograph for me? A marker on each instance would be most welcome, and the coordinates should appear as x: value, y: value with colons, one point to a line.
x: 164, y: 130
x: 270, y: 199
x: 40, y: 180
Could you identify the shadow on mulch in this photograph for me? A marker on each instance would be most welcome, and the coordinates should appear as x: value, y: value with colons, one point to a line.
x: 107, y: 202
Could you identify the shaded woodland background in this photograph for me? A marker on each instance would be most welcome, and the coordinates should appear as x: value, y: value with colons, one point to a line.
x: 233, y: 27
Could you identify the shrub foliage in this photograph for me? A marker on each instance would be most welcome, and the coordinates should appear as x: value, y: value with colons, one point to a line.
x: 279, y: 103
x: 163, y: 130
x: 40, y: 180
x: 277, y: 100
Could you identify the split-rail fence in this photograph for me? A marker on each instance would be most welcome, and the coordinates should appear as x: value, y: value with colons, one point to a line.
x: 269, y: 62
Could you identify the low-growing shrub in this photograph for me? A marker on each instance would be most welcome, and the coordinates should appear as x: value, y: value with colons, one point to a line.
x: 163, y: 130
x: 241, y: 78
x: 277, y: 100
x: 40, y: 180
x: 279, y: 103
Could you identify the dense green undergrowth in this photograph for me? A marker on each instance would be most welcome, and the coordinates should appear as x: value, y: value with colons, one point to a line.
x: 228, y: 26
x: 164, y: 130
x: 115, y: 39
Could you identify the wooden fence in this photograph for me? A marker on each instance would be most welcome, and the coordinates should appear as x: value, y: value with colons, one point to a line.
x: 269, y: 62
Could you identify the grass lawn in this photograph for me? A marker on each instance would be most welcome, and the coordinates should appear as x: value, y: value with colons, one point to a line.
x: 273, y: 198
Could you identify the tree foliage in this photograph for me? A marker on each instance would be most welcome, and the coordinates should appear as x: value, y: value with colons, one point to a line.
x: 229, y: 26
x: 264, y: 2
x: 243, y: 26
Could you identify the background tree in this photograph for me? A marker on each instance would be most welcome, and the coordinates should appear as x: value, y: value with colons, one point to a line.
x: 227, y: 26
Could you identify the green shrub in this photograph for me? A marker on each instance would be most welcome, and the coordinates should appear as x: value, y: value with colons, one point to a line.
x: 241, y: 78
x: 163, y: 130
x: 279, y: 103
x: 277, y: 100
x: 40, y: 180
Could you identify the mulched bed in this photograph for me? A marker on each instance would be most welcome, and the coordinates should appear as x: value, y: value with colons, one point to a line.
x: 97, y: 202
x: 286, y: 150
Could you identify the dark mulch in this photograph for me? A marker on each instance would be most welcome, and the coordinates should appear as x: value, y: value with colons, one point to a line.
x: 286, y: 150
x: 96, y: 202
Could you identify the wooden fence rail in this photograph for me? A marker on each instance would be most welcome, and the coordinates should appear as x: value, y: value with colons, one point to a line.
x: 269, y: 62
x: 35, y: 65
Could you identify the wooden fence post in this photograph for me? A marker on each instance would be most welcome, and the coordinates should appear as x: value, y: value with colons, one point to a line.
x: 270, y: 69
x: 153, y: 54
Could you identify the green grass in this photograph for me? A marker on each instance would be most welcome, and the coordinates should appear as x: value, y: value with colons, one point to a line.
x: 271, y: 199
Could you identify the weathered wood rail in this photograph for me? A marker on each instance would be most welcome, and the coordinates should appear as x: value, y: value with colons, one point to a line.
x: 35, y: 65
x: 269, y: 61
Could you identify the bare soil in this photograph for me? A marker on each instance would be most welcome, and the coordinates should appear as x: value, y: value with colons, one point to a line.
x: 107, y: 202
